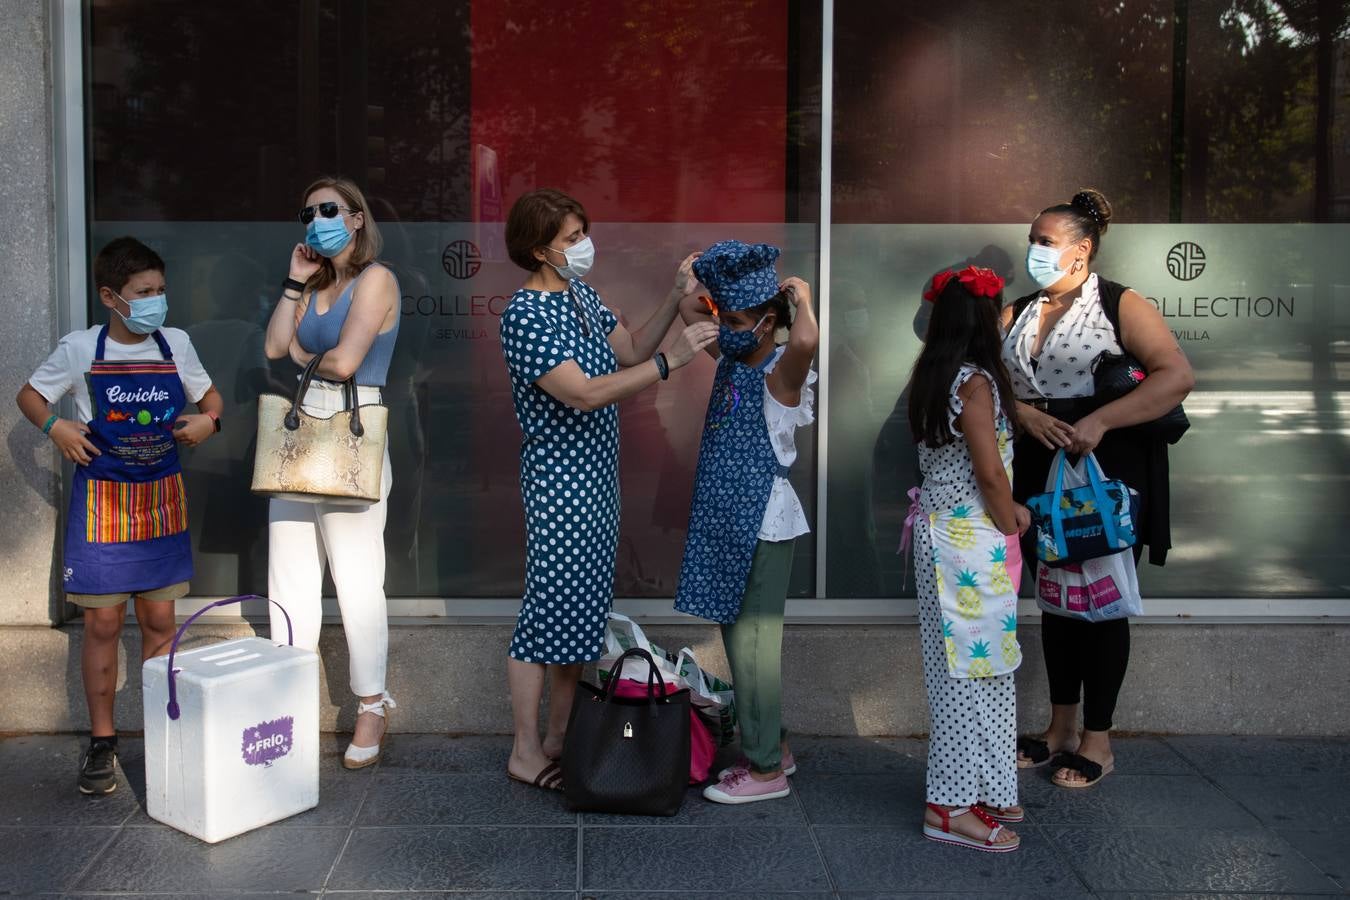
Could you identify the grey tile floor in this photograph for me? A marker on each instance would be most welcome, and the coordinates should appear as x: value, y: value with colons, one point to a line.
x: 1185, y: 817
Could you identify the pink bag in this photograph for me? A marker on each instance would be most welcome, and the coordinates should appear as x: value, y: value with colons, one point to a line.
x: 701, y: 749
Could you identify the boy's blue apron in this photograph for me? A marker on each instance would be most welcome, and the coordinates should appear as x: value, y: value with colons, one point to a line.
x: 736, y: 469
x: 127, y: 530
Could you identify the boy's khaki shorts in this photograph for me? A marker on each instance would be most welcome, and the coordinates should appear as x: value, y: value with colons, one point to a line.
x: 102, y: 601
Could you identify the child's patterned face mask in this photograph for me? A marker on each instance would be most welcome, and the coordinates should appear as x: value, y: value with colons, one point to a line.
x: 735, y: 344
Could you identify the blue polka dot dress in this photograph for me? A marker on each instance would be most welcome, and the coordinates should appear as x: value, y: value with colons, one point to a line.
x: 569, y: 475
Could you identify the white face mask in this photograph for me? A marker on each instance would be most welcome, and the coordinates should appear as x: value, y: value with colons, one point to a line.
x: 1043, y: 265
x: 580, y: 257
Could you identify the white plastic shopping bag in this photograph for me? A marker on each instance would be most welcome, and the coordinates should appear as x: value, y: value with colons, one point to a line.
x: 1095, y: 589
x: 679, y: 670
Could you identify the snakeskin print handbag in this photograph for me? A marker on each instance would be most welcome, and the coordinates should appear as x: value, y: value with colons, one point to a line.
x: 338, y: 459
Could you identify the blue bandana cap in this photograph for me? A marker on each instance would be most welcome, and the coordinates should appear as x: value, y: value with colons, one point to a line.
x: 738, y: 275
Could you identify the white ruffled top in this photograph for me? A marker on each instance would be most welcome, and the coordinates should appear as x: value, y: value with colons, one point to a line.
x: 784, y: 518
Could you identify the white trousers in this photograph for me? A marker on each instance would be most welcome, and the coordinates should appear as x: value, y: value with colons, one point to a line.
x: 304, y: 537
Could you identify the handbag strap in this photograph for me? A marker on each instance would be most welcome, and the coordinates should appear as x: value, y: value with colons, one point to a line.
x: 292, y: 420
x: 700, y: 680
x: 653, y: 675
x: 353, y: 404
x: 1056, y: 515
x: 1095, y: 475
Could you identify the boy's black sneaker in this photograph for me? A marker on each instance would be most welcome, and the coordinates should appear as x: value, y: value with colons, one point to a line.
x: 98, y: 768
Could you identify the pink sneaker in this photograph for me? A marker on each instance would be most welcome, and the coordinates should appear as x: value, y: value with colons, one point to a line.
x: 739, y: 787
x: 788, y: 763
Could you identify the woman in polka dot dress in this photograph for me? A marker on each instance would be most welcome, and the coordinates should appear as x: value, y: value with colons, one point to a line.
x: 570, y: 362
x: 959, y: 411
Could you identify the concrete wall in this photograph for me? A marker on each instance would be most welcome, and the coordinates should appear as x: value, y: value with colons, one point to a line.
x: 30, y: 487
x: 840, y: 679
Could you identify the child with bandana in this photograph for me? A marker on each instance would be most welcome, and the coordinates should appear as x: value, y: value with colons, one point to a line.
x: 746, y: 516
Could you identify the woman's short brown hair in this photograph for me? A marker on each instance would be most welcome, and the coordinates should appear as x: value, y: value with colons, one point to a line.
x: 534, y: 221
x: 367, y: 240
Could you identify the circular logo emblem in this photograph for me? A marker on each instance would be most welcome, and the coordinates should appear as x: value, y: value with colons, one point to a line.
x: 1186, y: 261
x: 461, y: 259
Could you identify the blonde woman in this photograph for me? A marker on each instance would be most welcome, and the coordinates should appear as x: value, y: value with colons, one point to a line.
x: 339, y: 301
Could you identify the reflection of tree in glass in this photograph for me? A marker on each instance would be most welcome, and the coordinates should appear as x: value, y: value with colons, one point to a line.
x: 185, y: 125
x: 215, y: 111
x: 974, y: 112
x: 1260, y: 109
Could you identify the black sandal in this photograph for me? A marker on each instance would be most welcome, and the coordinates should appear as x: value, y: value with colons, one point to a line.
x: 550, y: 778
x: 1036, y: 751
x: 1093, y: 772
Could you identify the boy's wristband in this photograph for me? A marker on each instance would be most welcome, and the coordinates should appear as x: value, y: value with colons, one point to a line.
x: 662, y: 366
x: 47, y: 426
x: 216, y: 420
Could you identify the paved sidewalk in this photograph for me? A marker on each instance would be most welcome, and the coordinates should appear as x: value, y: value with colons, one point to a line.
x: 1185, y: 816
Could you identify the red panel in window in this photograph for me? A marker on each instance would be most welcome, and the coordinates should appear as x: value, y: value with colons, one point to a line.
x: 646, y: 112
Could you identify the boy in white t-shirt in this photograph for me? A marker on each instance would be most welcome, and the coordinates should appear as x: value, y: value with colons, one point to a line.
x: 126, y: 533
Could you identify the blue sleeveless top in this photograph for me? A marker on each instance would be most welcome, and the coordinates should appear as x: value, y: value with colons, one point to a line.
x: 319, y: 333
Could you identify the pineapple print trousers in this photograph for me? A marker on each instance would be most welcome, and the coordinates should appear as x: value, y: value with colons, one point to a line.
x: 972, y: 732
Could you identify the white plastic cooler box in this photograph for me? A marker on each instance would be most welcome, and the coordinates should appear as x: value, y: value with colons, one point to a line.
x: 231, y: 734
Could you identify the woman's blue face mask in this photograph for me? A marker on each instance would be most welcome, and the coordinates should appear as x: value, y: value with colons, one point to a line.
x: 328, y: 236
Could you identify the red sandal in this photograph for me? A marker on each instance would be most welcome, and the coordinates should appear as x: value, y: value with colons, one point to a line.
x: 944, y: 835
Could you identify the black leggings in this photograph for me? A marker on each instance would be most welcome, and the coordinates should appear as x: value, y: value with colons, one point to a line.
x: 1093, y: 655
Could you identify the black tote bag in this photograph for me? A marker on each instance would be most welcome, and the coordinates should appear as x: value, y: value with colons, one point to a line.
x: 628, y: 755
x: 1114, y: 375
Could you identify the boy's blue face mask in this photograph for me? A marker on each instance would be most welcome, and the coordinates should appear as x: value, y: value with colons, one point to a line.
x: 147, y: 313
x: 327, y: 236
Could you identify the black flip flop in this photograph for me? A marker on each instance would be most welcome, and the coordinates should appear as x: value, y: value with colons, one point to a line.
x: 1093, y: 772
x: 1036, y: 751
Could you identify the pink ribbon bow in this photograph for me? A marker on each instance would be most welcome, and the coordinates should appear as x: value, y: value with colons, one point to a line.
x: 907, y: 535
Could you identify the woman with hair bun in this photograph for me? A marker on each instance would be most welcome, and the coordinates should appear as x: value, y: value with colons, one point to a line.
x: 1051, y: 339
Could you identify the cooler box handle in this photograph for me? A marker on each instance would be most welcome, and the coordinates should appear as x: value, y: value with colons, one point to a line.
x: 173, y: 648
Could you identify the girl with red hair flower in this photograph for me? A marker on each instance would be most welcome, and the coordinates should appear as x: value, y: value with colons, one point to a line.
x: 965, y: 528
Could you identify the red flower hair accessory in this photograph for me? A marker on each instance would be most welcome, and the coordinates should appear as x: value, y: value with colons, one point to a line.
x: 939, y: 282
x: 980, y: 282
x: 976, y: 281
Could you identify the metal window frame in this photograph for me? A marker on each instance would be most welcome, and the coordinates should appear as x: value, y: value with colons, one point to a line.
x: 70, y: 122
x: 66, y: 23
x: 823, y: 288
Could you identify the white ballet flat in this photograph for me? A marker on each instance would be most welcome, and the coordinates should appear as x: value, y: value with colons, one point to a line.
x: 360, y: 757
